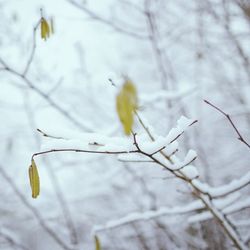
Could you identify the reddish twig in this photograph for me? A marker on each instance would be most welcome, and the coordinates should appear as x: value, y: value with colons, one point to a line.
x: 240, y: 137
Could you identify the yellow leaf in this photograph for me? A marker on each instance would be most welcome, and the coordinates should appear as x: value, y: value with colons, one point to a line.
x: 97, y: 243
x: 45, y: 29
x: 126, y: 103
x: 34, y: 179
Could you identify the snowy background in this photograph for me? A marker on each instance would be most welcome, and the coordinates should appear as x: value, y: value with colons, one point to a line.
x: 177, y: 53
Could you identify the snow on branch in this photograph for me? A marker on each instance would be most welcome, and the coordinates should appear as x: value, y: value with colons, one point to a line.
x: 160, y: 150
x: 64, y: 140
x: 148, y: 215
x: 164, y: 143
x: 238, y: 206
x: 223, y: 190
x: 226, y: 204
x: 189, y: 158
x: 71, y: 141
x: 222, y: 204
x: 182, y: 125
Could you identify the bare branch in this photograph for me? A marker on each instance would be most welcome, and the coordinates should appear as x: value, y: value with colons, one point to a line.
x: 82, y: 151
x: 46, y: 97
x: 32, y: 54
x: 155, y: 46
x: 240, y: 137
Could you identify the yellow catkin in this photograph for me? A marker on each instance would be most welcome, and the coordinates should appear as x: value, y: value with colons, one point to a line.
x: 97, y: 243
x: 34, y: 179
x: 45, y: 29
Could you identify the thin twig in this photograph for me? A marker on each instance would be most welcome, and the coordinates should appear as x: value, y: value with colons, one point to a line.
x: 32, y: 54
x: 240, y: 137
x: 46, y: 97
x: 159, y: 150
x: 154, y: 40
x: 50, y: 136
x: 82, y: 151
x: 186, y: 164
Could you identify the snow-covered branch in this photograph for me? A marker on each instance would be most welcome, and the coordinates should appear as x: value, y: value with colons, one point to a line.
x: 148, y: 215
x: 160, y: 150
x: 223, y: 190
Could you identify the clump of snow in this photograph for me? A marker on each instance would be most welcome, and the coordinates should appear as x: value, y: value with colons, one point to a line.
x: 90, y: 141
x: 203, y: 187
x: 190, y: 172
x: 182, y: 124
x: 151, y: 147
x: 132, y: 157
x: 171, y: 148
